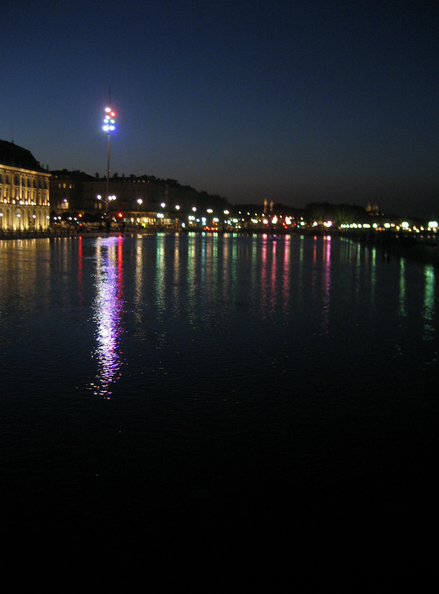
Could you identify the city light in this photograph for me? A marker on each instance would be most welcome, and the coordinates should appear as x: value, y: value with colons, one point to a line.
x: 109, y: 120
x: 109, y: 126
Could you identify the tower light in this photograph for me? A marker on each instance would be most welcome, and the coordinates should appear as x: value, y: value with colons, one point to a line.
x: 108, y: 127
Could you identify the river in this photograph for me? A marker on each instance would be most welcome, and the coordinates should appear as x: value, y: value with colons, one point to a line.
x: 182, y: 386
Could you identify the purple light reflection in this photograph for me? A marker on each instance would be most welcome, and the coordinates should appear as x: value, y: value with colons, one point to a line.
x: 326, y: 284
x: 108, y: 309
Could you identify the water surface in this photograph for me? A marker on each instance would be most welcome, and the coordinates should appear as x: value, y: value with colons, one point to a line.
x: 187, y: 383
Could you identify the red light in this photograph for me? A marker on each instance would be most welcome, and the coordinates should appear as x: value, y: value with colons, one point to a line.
x: 120, y: 215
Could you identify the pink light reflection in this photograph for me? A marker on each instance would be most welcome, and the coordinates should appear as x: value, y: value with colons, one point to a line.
x: 108, y: 310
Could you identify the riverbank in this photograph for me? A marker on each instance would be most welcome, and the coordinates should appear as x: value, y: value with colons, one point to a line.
x: 423, y: 249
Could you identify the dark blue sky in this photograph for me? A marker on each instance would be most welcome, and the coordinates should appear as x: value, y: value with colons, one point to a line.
x: 290, y: 101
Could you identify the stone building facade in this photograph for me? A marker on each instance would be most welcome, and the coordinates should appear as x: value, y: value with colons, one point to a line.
x: 24, y: 190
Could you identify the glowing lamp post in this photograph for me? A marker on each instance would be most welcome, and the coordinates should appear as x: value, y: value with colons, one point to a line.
x: 139, y: 204
x: 109, y: 126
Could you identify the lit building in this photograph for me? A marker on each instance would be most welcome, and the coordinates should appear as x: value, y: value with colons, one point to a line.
x: 24, y: 190
x: 372, y: 209
x: 134, y: 200
x: 67, y: 192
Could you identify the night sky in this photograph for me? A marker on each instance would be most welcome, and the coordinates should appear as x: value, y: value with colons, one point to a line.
x: 291, y: 101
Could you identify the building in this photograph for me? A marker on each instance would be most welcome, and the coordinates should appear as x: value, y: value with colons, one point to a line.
x: 372, y: 209
x: 78, y: 196
x: 24, y: 190
x: 67, y: 192
x: 136, y: 201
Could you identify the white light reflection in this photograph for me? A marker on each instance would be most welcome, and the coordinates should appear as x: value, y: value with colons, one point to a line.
x: 402, y: 289
x: 428, y: 310
x: 108, y: 309
x: 326, y: 284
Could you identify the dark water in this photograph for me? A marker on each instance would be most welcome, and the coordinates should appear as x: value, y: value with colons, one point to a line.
x: 188, y: 389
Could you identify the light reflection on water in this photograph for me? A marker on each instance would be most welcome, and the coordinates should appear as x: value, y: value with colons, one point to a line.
x: 200, y: 363
x: 429, y: 303
x: 108, y: 308
x: 201, y: 280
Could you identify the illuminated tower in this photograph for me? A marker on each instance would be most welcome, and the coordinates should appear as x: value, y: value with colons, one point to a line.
x: 109, y: 126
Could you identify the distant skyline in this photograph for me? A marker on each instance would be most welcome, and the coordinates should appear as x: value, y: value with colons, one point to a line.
x: 295, y: 102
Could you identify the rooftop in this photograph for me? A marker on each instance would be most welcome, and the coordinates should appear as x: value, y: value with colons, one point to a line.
x: 16, y: 156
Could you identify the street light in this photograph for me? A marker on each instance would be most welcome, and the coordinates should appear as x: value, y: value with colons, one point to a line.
x: 107, y: 202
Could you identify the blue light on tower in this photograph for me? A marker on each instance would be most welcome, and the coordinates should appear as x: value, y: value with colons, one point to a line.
x: 109, y: 126
x: 109, y: 120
